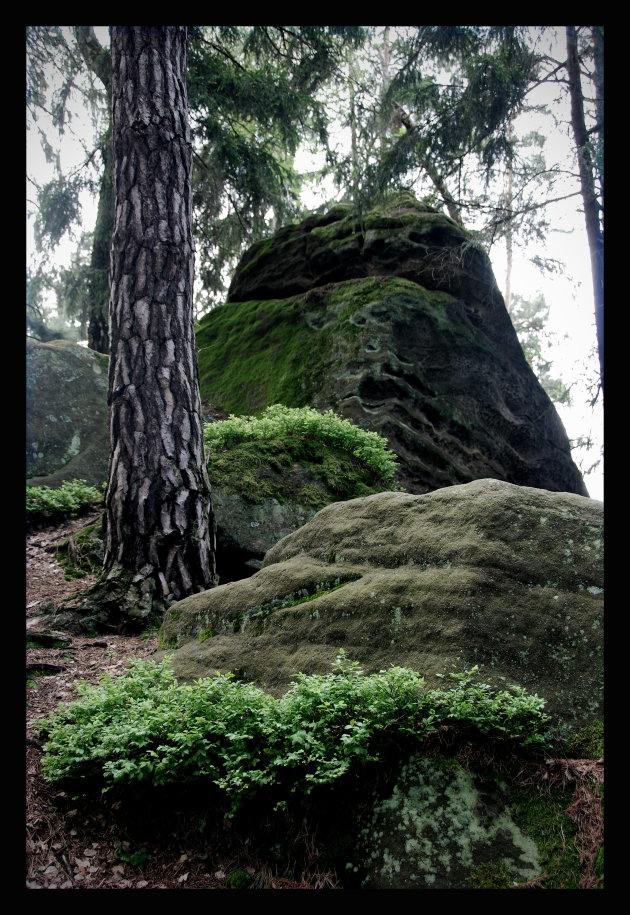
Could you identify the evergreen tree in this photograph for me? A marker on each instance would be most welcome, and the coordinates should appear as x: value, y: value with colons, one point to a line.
x: 67, y: 68
x: 253, y: 98
x: 530, y: 318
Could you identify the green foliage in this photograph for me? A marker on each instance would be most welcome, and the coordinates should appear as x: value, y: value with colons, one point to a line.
x: 144, y: 728
x: 498, y: 714
x: 530, y: 319
x: 299, y: 426
x: 43, y: 503
x: 253, y: 97
x: 135, y: 858
x: 238, y: 880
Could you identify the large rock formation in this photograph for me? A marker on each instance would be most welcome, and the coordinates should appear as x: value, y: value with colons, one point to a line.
x: 67, y: 418
x: 485, y: 573
x: 396, y: 323
x: 505, y: 577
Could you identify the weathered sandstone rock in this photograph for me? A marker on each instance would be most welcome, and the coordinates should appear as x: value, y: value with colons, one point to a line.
x: 397, y: 324
x: 486, y: 573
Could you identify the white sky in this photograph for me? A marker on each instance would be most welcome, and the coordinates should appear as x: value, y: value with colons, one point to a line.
x: 570, y: 295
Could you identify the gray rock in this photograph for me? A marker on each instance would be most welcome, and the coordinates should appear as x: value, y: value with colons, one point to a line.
x: 247, y: 530
x: 67, y: 418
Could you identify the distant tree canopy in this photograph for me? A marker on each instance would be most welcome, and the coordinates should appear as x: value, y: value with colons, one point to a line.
x: 252, y: 96
x: 427, y: 108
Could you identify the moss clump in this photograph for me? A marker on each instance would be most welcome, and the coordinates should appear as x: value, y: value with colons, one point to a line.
x: 544, y: 818
x: 206, y: 634
x: 587, y: 743
x: 297, y: 454
x: 271, y: 352
x: 82, y: 553
x: 491, y: 876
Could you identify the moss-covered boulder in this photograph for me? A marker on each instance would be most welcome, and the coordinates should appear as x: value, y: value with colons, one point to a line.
x: 488, y: 573
x: 67, y: 418
x: 270, y: 474
x: 396, y: 323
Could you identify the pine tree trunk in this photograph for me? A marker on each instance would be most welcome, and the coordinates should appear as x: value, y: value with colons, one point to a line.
x: 508, y: 228
x: 159, y: 528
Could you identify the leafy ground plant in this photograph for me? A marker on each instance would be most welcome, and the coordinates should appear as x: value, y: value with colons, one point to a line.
x: 45, y: 504
x: 144, y: 727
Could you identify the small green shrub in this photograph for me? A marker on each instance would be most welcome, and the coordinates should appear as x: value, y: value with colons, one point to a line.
x: 142, y: 727
x: 44, y: 503
x: 238, y: 880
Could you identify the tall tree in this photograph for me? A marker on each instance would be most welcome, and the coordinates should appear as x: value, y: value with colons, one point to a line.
x: 159, y: 527
x: 592, y: 208
x: 254, y: 99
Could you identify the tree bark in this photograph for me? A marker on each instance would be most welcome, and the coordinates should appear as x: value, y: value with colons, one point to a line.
x: 159, y: 527
x: 587, y: 183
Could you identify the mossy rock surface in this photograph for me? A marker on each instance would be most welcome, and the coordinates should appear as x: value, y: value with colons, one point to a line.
x: 445, y: 826
x: 397, y: 324
x: 488, y: 573
x: 264, y: 489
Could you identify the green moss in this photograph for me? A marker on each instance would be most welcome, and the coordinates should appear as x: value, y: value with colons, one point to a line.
x: 82, y: 553
x: 544, y: 818
x: 491, y: 876
x: 257, y: 616
x: 206, y: 634
x: 238, y: 880
x: 253, y: 354
x: 587, y: 743
x: 165, y: 643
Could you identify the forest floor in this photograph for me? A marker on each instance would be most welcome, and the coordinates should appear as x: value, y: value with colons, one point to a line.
x: 94, y: 843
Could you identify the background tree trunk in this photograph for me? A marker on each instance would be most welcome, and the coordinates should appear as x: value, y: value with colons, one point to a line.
x: 98, y: 59
x: 587, y: 183
x: 159, y: 528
